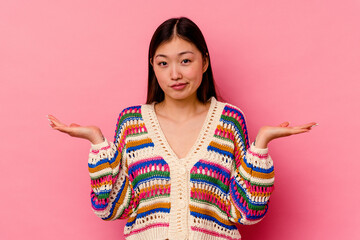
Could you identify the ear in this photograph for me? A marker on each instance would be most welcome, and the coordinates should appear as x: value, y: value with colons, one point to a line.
x: 151, y: 62
x: 205, y: 62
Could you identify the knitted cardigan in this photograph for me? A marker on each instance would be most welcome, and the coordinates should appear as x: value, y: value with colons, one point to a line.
x: 223, y: 180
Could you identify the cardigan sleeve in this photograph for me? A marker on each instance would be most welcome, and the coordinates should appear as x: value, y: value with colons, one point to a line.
x: 111, y: 193
x: 252, y: 179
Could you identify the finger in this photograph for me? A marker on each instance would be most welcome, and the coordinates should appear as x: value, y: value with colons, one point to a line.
x: 51, y: 117
x: 62, y: 129
x: 298, y: 131
x: 316, y: 124
x: 307, y: 126
x: 74, y: 125
x: 284, y: 124
x: 50, y: 122
x: 55, y: 121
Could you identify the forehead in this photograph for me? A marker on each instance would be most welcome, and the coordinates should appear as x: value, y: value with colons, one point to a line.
x: 176, y: 46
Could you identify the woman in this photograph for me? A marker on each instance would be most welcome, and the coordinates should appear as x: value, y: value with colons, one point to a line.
x: 181, y: 166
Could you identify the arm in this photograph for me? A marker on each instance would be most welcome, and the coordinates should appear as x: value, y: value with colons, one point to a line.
x: 251, y: 185
x: 252, y: 178
x: 111, y: 194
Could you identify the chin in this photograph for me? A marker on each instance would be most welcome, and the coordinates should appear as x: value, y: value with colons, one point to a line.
x: 179, y: 97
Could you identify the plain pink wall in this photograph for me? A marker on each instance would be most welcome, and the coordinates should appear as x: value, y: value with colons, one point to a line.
x: 84, y: 61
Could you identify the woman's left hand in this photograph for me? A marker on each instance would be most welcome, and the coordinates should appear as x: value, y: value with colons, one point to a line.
x: 268, y: 133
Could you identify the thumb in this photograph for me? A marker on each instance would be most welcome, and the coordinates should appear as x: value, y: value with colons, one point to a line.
x: 284, y: 124
x: 74, y: 125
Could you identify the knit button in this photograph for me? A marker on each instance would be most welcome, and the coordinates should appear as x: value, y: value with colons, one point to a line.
x: 182, y: 236
x: 181, y: 205
x: 182, y: 170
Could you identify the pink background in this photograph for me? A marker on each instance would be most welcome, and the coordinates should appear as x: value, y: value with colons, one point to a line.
x: 84, y: 61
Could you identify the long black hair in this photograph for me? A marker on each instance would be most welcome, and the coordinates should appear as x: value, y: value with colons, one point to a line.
x: 185, y: 29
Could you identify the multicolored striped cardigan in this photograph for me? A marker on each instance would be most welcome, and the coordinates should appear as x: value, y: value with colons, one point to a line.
x: 223, y: 180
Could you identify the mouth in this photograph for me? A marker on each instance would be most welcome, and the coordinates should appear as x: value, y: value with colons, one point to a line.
x: 178, y: 86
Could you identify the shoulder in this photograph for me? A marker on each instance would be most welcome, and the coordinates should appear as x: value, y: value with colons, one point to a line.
x: 234, y: 118
x: 129, y: 113
x: 128, y: 119
x: 232, y: 112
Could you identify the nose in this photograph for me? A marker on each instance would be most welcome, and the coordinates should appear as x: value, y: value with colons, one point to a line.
x: 175, y: 72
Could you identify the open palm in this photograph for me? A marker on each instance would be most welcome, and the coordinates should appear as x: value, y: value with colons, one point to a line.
x: 92, y: 133
x: 268, y: 133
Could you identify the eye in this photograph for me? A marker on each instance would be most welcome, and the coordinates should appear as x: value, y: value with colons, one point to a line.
x: 161, y: 64
x: 186, y: 61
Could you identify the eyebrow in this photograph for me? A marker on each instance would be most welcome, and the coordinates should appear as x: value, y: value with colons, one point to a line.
x: 182, y: 53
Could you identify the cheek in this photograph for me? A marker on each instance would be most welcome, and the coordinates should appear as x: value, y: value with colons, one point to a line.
x: 194, y: 74
x: 161, y: 78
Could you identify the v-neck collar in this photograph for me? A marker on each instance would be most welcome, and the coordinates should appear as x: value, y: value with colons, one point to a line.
x: 202, y: 141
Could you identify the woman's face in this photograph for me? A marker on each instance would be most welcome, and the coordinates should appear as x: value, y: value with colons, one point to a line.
x: 179, y: 66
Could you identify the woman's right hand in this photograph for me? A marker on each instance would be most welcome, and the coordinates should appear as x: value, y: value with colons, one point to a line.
x: 91, y: 133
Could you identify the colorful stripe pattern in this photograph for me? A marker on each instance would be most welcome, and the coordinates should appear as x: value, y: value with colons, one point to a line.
x: 226, y: 186
x: 123, y: 182
x: 231, y: 184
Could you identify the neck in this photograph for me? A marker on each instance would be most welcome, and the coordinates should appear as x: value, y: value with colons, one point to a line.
x: 180, y: 110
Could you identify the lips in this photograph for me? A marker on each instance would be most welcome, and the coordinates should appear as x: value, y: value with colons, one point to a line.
x: 178, y: 86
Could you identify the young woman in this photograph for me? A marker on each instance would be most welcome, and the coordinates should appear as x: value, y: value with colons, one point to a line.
x: 181, y: 166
